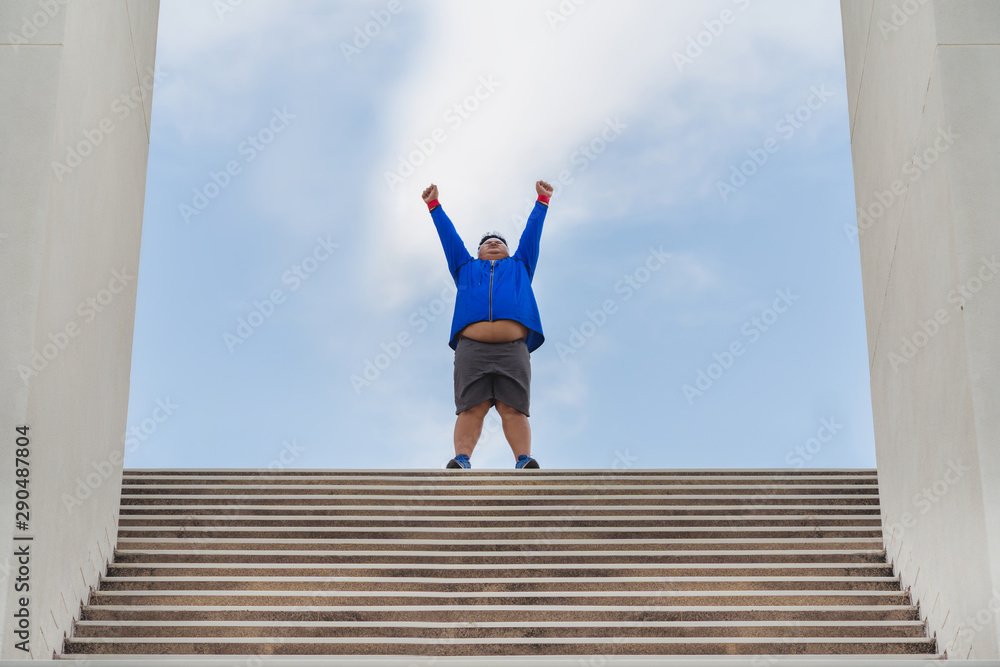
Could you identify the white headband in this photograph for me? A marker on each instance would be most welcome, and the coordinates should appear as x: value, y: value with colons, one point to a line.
x: 493, y: 237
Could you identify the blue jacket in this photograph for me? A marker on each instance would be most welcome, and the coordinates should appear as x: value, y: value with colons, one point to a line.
x: 494, y: 289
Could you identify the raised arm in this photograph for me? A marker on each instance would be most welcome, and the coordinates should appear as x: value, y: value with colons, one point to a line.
x: 454, y: 248
x: 527, y: 247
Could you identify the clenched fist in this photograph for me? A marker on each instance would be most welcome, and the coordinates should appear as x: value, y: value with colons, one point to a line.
x: 544, y: 188
x: 431, y: 193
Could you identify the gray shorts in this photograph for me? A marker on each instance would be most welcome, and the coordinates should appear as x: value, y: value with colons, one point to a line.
x: 492, y: 372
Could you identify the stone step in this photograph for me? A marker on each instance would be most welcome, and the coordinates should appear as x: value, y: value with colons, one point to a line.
x: 594, y: 564
x: 746, y: 474
x: 508, y: 612
x: 501, y: 645
x: 520, y: 490
x: 867, y: 499
x: 496, y: 584
x: 513, y: 569
x: 500, y: 660
x: 493, y: 629
x: 656, y: 598
x: 793, y: 557
x: 504, y: 545
x: 650, y: 509
x: 521, y: 534
x: 633, y: 520
x: 537, y: 478
x: 568, y: 472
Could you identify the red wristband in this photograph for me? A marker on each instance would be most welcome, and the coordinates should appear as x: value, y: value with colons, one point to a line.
x: 544, y: 199
x: 431, y: 204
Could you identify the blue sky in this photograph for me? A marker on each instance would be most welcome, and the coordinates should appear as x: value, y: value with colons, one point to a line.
x: 286, y: 249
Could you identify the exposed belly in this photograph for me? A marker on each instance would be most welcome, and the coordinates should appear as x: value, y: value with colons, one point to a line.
x: 497, y: 331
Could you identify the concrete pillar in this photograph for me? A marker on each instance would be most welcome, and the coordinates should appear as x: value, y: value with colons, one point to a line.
x: 923, y: 79
x: 74, y: 138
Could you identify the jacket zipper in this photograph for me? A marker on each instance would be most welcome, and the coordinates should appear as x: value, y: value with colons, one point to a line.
x: 491, y: 288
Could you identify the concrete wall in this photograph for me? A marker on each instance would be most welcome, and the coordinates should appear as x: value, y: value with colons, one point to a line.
x: 73, y: 157
x: 923, y: 80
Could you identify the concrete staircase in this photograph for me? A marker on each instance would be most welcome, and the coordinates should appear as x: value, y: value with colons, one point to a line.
x: 499, y: 563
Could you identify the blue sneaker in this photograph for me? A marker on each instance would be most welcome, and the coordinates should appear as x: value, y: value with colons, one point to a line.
x: 525, y: 461
x: 460, y: 461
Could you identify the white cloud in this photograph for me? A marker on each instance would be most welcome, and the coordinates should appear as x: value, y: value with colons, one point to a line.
x: 689, y: 275
x: 217, y: 67
x: 556, y: 89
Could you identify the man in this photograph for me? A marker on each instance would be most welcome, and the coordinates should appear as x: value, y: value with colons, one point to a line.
x: 495, y: 328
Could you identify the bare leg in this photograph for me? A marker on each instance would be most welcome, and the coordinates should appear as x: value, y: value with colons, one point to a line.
x: 468, y: 427
x: 516, y: 429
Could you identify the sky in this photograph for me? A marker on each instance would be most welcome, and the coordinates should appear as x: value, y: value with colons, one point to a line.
x: 699, y: 294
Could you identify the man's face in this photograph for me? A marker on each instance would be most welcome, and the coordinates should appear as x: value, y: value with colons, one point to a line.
x: 494, y: 248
